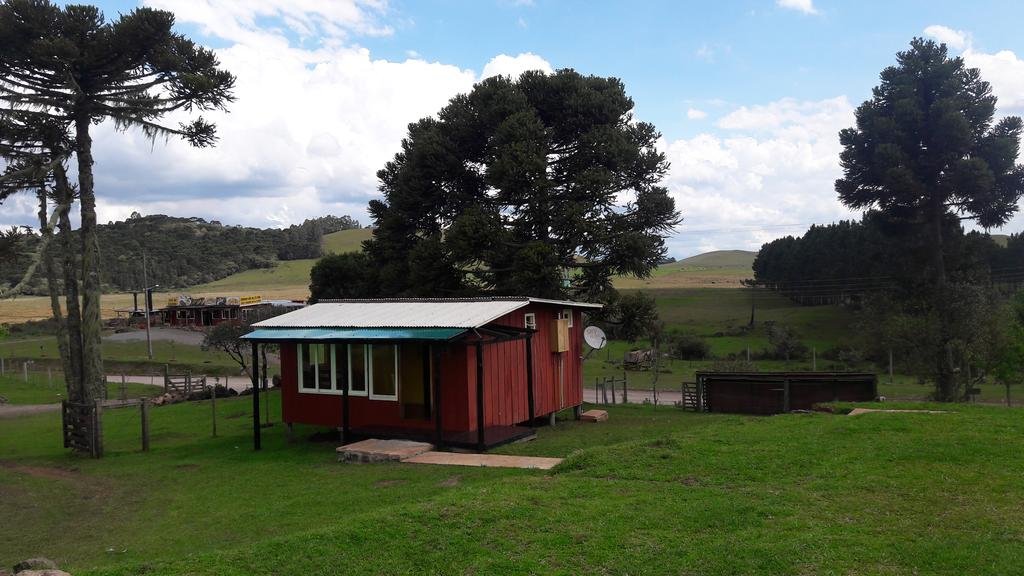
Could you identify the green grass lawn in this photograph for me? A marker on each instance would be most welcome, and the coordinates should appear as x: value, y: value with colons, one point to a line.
x: 652, y: 491
x: 41, y: 390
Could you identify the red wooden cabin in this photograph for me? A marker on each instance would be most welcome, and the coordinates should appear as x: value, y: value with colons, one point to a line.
x: 460, y: 372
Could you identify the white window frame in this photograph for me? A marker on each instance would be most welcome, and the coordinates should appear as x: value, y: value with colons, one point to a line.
x: 366, y: 372
x: 334, y: 389
x: 369, y: 373
x: 566, y: 314
x: 530, y: 320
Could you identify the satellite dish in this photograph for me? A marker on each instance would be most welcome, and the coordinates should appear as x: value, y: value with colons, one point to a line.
x: 594, y: 337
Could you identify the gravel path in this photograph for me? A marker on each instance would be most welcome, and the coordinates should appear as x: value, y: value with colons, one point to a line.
x: 16, y: 410
x: 168, y: 334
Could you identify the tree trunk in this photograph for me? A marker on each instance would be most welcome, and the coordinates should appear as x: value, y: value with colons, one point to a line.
x: 50, y: 271
x: 92, y: 360
x: 73, y: 377
x: 945, y: 385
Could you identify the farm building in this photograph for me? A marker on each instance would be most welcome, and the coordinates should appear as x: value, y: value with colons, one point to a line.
x: 188, y: 312
x: 460, y: 372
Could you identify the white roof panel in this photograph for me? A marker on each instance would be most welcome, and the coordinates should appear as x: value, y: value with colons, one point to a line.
x: 409, y: 313
x: 394, y: 315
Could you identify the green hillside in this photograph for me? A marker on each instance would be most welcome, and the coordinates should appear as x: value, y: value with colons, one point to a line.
x: 287, y: 279
x: 344, y: 241
x: 718, y: 259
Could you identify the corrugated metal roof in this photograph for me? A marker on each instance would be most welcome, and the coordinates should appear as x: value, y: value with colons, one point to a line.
x: 326, y: 334
x: 394, y: 315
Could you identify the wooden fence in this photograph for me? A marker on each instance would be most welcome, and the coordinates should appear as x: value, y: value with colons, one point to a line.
x: 82, y: 427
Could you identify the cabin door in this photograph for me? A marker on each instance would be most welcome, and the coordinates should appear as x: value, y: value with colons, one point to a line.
x: 414, y: 380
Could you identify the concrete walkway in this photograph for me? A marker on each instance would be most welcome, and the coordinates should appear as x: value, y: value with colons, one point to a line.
x: 484, y: 460
x: 375, y: 450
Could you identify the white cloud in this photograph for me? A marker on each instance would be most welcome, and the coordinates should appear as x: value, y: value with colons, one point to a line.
x: 774, y: 165
x: 955, y: 39
x: 695, y: 114
x: 805, y: 6
x: 237, y: 20
x: 513, y: 66
x: 1004, y: 70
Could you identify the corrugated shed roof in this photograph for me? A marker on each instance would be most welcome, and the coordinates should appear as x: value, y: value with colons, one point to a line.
x: 330, y: 334
x: 393, y: 315
x: 405, y: 313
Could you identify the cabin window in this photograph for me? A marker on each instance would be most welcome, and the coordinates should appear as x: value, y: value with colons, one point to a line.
x: 317, y: 369
x: 307, y: 354
x: 530, y: 321
x: 357, y: 373
x: 566, y: 315
x: 384, y: 372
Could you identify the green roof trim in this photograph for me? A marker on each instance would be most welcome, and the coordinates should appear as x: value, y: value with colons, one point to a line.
x: 330, y: 334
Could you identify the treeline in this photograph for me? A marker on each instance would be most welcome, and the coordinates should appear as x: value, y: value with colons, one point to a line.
x: 180, y: 252
x: 839, y: 263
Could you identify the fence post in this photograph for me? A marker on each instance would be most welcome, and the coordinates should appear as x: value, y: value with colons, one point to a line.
x: 2, y: 367
x: 144, y: 409
x: 24, y: 370
x: 97, y: 430
x: 613, y: 390
x: 49, y: 377
x: 625, y: 392
x: 597, y: 393
x: 213, y: 408
x: 814, y: 358
x: 785, y: 395
x: 166, y: 378
x: 890, y: 366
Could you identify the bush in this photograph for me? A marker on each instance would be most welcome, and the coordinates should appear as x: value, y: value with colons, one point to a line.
x: 786, y: 345
x: 688, y: 347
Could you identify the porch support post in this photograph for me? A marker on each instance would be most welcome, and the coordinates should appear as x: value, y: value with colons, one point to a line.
x: 480, y: 395
x: 345, y: 421
x: 255, y: 397
x: 529, y: 378
x: 438, y: 429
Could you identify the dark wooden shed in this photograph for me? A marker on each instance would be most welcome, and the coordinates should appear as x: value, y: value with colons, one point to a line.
x: 778, y: 392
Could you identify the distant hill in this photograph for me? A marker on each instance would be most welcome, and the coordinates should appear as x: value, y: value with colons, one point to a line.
x: 718, y: 269
x: 344, y: 241
x: 718, y: 259
x: 185, y: 252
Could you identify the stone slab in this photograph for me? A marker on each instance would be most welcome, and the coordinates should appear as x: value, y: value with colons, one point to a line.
x: 594, y: 416
x: 375, y: 450
x: 484, y: 460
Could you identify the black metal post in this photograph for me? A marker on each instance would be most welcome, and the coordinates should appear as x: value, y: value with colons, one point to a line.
x: 438, y: 430
x: 529, y: 378
x: 255, y: 397
x: 785, y: 395
x: 480, y: 395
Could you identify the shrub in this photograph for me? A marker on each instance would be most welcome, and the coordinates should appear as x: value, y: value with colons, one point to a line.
x: 688, y: 347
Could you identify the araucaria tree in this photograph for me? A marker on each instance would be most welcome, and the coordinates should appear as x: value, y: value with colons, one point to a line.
x: 69, y: 66
x: 926, y: 151
x: 544, y: 185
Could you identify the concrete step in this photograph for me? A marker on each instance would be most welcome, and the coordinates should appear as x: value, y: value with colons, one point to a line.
x: 374, y: 450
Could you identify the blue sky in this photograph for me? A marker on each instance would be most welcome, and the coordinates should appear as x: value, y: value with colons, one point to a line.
x: 749, y: 96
